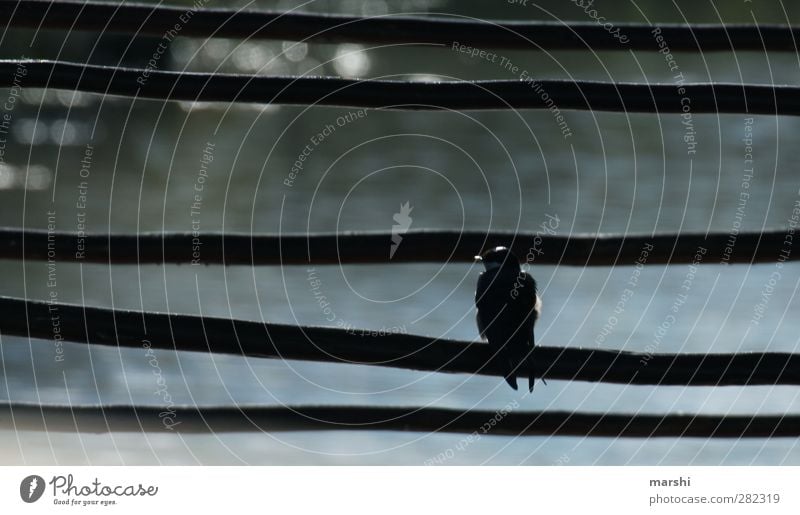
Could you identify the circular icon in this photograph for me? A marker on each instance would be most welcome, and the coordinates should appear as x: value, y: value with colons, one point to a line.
x: 31, y: 488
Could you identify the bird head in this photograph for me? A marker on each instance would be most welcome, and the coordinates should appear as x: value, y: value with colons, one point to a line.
x: 498, y: 257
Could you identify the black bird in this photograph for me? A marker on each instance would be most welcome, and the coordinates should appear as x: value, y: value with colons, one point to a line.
x: 508, y: 307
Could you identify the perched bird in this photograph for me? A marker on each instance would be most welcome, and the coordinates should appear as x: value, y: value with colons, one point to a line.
x: 508, y: 307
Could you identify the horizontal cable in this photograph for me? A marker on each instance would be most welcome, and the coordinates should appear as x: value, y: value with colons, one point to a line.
x: 122, y: 328
x: 422, y: 246
x: 325, y: 91
x: 192, y: 419
x: 160, y: 21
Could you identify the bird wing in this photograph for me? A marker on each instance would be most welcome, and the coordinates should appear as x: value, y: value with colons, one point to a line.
x: 507, y: 306
x: 480, y: 294
x: 533, y: 305
x: 527, y: 307
x: 532, y: 293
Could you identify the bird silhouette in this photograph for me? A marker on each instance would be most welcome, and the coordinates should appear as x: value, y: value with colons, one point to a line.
x: 508, y: 307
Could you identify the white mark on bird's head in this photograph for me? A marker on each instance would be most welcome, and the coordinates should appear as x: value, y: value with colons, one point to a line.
x: 498, y: 257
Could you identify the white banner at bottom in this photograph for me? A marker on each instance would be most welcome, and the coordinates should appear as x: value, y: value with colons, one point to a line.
x: 401, y: 490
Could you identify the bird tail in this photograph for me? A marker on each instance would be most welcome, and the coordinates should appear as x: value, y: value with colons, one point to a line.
x: 518, y: 358
x: 511, y: 374
x: 529, y: 366
x: 531, y: 375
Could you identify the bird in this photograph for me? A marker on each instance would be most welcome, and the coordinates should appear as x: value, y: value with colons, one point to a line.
x: 508, y: 306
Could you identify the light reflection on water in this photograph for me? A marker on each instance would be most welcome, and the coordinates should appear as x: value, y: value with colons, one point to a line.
x: 508, y: 170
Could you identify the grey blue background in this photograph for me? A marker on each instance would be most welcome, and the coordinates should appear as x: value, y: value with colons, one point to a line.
x: 474, y: 170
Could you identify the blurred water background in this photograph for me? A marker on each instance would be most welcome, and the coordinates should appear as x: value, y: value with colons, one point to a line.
x: 477, y: 170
